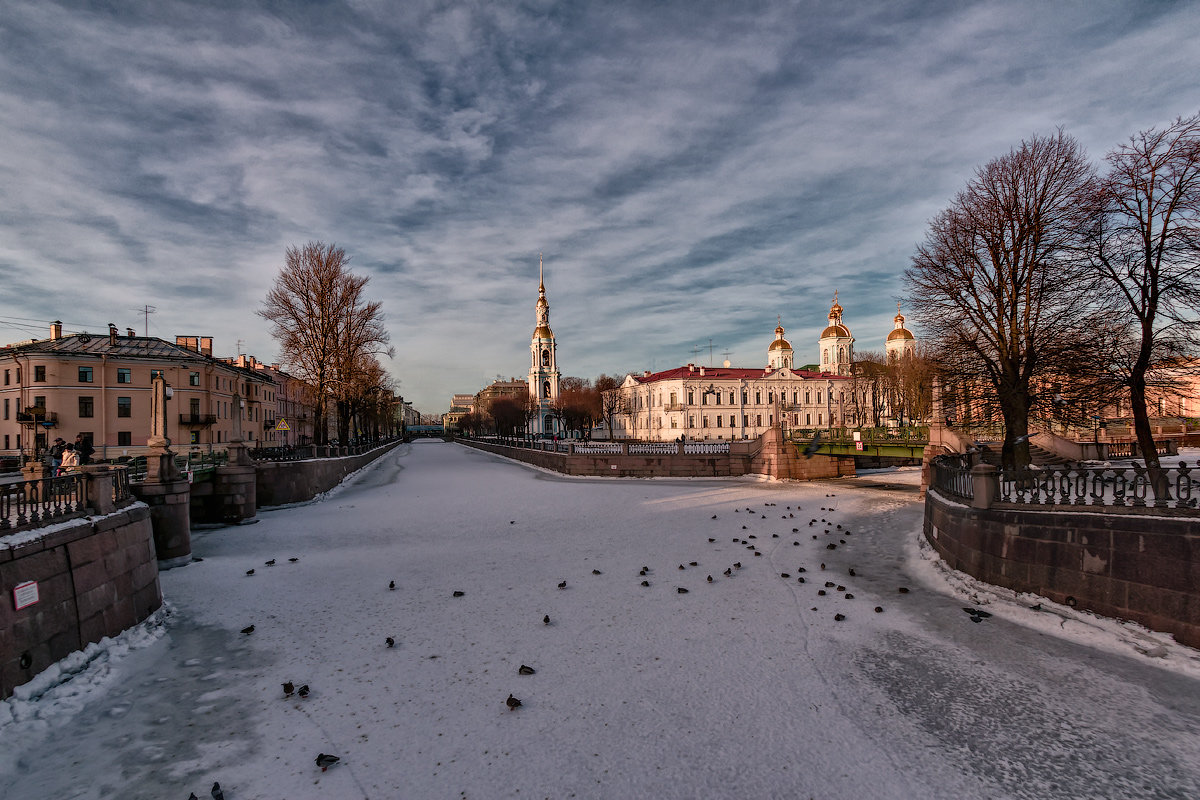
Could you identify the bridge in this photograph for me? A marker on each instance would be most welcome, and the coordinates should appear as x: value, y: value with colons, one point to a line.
x: 880, y: 442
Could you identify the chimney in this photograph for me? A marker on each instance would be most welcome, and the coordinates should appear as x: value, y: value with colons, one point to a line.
x: 275, y: 367
x: 702, y: 372
x: 206, y: 345
x: 130, y: 333
x: 56, y: 329
x: 645, y: 373
x: 112, y: 334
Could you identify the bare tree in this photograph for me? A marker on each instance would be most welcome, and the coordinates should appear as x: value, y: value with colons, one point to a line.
x: 323, y: 325
x: 611, y: 400
x: 1146, y: 247
x: 997, y: 283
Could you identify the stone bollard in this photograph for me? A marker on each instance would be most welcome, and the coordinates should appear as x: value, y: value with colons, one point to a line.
x: 984, y: 486
x: 170, y: 518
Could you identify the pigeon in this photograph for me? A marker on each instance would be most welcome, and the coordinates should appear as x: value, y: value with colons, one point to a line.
x: 801, y: 569
x: 546, y: 620
x: 681, y: 590
x: 192, y: 796
x: 839, y: 617
x: 784, y: 575
x: 728, y: 571
x: 743, y: 527
x: 681, y: 566
x: 390, y: 642
x: 800, y: 579
x: 822, y: 565
x: 694, y: 563
x: 813, y: 446
x: 562, y: 585
x: 289, y: 689
x: 293, y: 560
x: 270, y: 563
x: 645, y: 583
x: 903, y: 590
x: 737, y: 565
x: 217, y: 794
x: 829, y: 584
x: 851, y: 572
x: 248, y: 630
x: 849, y: 596
x: 249, y: 572
x: 325, y: 761
x: 711, y: 540
x: 303, y: 690
x: 458, y: 594
x: 878, y: 609
x: 821, y: 592
x: 392, y: 585
x: 757, y: 553
x: 714, y: 516
x: 596, y: 572
x: 710, y: 578
x: 512, y: 522
x: 525, y: 670
x: 841, y: 588
x: 512, y: 703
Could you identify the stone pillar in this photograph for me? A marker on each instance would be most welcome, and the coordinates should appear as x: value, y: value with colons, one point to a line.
x: 624, y: 448
x: 235, y: 484
x: 984, y: 486
x: 165, y: 490
x: 98, y: 488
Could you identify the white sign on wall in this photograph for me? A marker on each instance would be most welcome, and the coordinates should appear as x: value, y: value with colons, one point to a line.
x: 25, y: 594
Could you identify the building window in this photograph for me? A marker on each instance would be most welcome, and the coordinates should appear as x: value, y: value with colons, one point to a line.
x: 87, y: 407
x: 39, y: 401
x: 758, y: 420
x: 818, y: 396
x: 718, y: 420
x: 545, y: 358
x: 193, y: 379
x: 6, y: 441
x: 704, y: 422
x: 545, y: 388
x: 124, y: 407
x: 718, y: 394
x: 691, y: 421
x: 194, y: 407
x: 691, y: 398
x: 807, y: 396
x: 124, y: 438
x: 39, y: 373
x: 6, y: 411
x: 745, y: 421
x: 819, y: 418
x: 85, y: 374
x: 825, y: 356
x: 732, y: 399
x: 758, y: 398
x: 808, y: 419
x: 6, y: 382
x: 703, y: 399
x: 124, y: 375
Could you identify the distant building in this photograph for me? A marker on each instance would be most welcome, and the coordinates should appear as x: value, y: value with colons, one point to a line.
x: 900, y: 341
x: 836, y: 344
x: 99, y: 386
x: 513, y: 388
x: 290, y: 422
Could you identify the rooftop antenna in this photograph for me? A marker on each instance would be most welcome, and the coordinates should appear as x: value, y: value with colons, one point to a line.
x: 696, y: 351
x: 240, y: 342
x: 146, y: 312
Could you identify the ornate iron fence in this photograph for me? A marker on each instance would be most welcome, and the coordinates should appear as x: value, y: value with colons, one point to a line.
x: 952, y: 477
x: 28, y: 504
x: 120, y: 485
x: 1113, y: 486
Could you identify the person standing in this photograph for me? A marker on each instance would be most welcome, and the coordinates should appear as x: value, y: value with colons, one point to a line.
x: 70, y: 459
x: 84, y: 449
x: 56, y: 454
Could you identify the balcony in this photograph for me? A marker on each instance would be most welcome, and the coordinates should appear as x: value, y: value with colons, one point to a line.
x: 674, y: 407
x: 197, y: 420
x: 47, y: 419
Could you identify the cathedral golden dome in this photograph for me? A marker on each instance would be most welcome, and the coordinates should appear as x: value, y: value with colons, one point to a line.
x: 835, y: 330
x: 780, y: 344
x: 543, y: 332
x: 900, y: 333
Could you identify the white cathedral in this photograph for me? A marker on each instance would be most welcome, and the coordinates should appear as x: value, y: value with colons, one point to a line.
x: 725, y: 402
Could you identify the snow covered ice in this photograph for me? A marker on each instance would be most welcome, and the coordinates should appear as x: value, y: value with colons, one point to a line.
x: 736, y: 689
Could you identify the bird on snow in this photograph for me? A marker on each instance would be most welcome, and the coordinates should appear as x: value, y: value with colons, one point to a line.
x: 852, y: 573
x: 391, y: 585
x: 681, y: 590
x: 512, y: 703
x: 390, y: 642
x: 693, y: 563
x: 192, y: 796
x: 562, y: 585
x: 596, y: 572
x: 458, y: 594
x: 839, y: 617
x: 303, y: 690
x: 546, y: 620
x: 249, y: 629
x: 710, y: 578
x: 524, y: 670
x: 325, y: 761
x: 728, y: 571
x: 249, y: 572
x: 710, y: 539
x: 645, y: 583
x: 681, y: 566
x: 878, y: 609
x: 270, y: 563
x: 293, y: 560
x: 903, y: 590
x: 737, y: 565
x: 714, y: 516
x: 289, y: 689
x: 217, y: 794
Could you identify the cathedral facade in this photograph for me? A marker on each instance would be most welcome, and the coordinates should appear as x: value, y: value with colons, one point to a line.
x: 543, y: 367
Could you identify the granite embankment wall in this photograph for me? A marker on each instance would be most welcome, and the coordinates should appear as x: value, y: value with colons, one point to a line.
x: 769, y: 456
x: 95, y: 577
x: 1138, y: 566
x: 280, y: 482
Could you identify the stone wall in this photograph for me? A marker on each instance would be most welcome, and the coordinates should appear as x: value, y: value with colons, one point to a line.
x: 281, y: 482
x: 95, y: 578
x: 769, y: 456
x: 1143, y: 567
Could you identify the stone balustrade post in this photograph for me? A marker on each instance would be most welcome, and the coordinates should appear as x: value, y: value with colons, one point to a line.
x: 624, y: 448
x: 570, y: 448
x: 985, y: 486
x: 98, y: 488
x: 679, y: 448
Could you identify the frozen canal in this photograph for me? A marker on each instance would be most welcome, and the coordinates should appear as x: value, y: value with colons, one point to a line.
x: 745, y: 687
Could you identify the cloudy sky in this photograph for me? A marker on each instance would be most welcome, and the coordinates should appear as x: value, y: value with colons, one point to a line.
x: 690, y: 170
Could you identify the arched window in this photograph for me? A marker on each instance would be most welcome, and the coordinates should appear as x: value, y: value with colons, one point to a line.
x: 825, y: 356
x: 841, y: 354
x: 545, y: 388
x: 548, y: 423
x: 546, y: 358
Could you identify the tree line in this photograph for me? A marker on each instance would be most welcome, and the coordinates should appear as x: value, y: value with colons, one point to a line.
x: 1051, y: 284
x: 580, y: 406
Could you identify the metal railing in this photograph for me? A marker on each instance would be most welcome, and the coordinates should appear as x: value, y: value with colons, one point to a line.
x: 951, y: 476
x: 120, y: 485
x: 1110, y: 486
x: 706, y: 447
x: 29, y: 504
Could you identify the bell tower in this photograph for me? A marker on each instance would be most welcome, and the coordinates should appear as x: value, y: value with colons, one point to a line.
x: 543, y: 367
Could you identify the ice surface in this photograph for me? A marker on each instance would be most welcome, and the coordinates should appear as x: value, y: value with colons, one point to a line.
x: 736, y: 689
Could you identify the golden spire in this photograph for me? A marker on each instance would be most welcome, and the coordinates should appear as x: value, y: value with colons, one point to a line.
x: 541, y: 280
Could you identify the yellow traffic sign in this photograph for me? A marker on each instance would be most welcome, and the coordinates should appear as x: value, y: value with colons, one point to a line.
x: 282, y: 425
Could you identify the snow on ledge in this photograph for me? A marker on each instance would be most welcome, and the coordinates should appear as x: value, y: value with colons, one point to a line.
x: 19, y: 538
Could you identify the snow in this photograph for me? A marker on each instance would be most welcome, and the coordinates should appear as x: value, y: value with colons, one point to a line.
x: 738, y: 688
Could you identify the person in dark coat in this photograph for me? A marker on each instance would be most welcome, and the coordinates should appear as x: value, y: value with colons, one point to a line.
x: 84, y: 448
x: 56, y: 454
